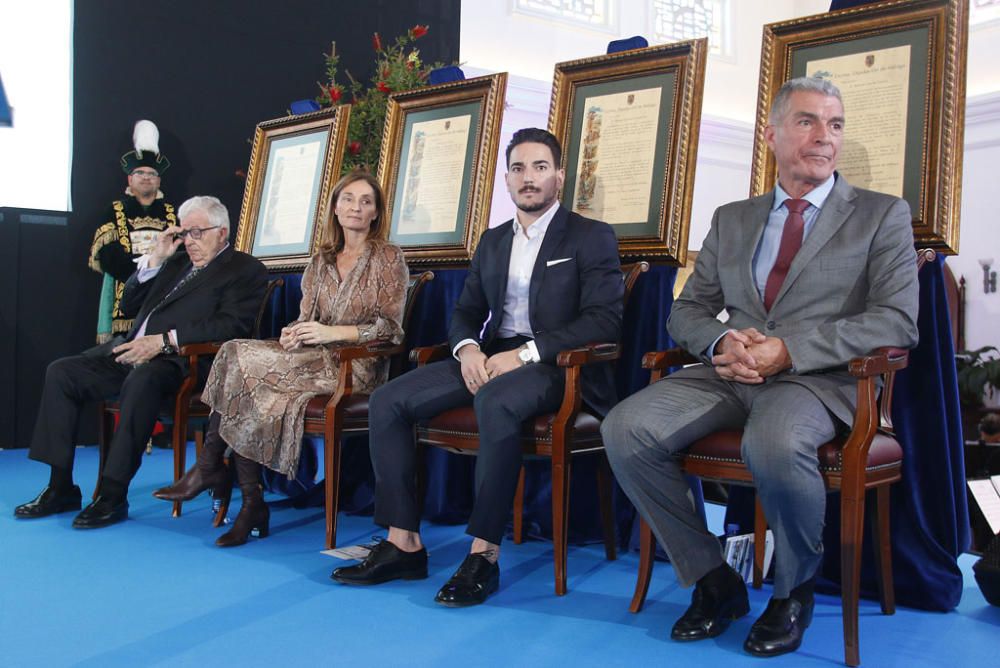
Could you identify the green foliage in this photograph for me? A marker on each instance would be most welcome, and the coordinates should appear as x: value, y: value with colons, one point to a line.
x: 977, y: 371
x: 397, y: 68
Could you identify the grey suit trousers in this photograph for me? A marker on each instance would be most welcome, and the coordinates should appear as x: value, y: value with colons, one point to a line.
x: 783, y: 426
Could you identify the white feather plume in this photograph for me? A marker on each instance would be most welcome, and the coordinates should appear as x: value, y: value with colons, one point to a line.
x: 146, y: 137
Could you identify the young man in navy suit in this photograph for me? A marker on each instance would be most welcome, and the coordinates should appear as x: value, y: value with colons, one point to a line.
x: 543, y: 282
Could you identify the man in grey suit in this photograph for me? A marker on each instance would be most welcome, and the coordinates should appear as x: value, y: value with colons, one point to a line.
x: 810, y: 275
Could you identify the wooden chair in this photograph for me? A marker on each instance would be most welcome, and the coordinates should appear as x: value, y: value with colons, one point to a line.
x: 345, y: 411
x: 183, y: 408
x: 867, y: 458
x: 557, y: 436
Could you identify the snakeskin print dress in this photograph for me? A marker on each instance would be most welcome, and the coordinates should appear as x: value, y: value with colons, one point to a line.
x: 261, y: 390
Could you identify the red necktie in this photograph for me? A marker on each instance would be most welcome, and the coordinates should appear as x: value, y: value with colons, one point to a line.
x: 791, y: 241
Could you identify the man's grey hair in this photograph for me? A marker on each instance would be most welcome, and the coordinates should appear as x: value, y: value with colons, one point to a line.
x: 214, y: 210
x: 800, y: 84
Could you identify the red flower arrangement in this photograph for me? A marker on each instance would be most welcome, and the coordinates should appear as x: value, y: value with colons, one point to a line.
x: 397, y: 68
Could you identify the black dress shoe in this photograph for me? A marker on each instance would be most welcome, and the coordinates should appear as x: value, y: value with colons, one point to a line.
x: 101, y: 513
x: 50, y: 502
x: 717, y: 600
x: 384, y: 563
x: 472, y: 583
x: 780, y: 629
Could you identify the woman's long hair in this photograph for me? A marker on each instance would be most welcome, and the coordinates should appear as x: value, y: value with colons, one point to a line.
x: 333, y: 236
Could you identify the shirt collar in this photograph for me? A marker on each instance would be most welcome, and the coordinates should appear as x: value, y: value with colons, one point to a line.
x: 816, y: 196
x: 214, y: 257
x: 539, y: 226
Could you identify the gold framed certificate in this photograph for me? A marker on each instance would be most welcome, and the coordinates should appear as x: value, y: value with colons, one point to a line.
x: 437, y: 165
x: 628, y: 124
x: 900, y: 67
x: 293, y: 165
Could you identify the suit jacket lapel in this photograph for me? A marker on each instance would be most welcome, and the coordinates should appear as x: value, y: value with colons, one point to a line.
x: 836, y: 209
x: 163, y: 282
x: 503, y: 269
x: 759, y: 210
x: 553, y: 237
x: 202, y: 276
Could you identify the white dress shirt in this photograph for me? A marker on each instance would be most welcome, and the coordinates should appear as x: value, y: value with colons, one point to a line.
x: 516, y: 320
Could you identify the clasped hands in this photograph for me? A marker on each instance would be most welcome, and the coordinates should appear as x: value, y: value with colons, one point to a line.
x: 310, y: 333
x: 478, y: 369
x: 747, y: 356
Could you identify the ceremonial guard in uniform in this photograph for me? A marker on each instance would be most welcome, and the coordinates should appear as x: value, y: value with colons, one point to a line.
x: 130, y: 227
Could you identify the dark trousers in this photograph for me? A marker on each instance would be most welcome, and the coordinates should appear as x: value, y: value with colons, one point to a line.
x: 501, y: 406
x: 72, y: 382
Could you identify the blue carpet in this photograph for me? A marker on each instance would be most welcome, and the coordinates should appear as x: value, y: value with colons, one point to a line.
x: 155, y: 591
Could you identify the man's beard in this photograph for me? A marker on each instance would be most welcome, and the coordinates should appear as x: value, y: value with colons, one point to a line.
x: 532, y: 208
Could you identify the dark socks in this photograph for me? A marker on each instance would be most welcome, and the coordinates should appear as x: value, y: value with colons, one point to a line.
x: 719, y: 577
x: 112, y: 490
x: 61, y: 479
x: 803, y: 593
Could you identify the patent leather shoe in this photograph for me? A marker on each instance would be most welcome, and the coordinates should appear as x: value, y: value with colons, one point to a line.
x: 385, y: 562
x: 193, y: 483
x: 780, y: 629
x: 472, y: 583
x: 101, y: 513
x: 49, y: 502
x: 715, y: 602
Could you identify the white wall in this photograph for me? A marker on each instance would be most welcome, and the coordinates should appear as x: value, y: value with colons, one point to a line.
x: 980, y: 237
x: 36, y: 47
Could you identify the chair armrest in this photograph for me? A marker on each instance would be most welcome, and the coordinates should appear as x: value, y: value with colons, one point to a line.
x: 659, y: 360
x: 881, y: 361
x: 589, y: 354
x: 348, y: 352
x: 427, y: 354
x: 199, y: 349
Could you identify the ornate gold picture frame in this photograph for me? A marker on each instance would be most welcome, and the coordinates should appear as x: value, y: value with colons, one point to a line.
x: 900, y: 66
x: 628, y: 124
x: 294, y: 163
x: 436, y: 167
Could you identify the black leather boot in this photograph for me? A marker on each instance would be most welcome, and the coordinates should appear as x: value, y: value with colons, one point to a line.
x: 209, y: 472
x: 254, y: 516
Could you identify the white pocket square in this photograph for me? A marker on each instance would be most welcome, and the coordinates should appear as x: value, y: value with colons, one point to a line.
x: 552, y: 263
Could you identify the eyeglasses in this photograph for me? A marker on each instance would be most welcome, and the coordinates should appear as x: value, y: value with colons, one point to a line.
x: 146, y: 175
x: 196, y: 232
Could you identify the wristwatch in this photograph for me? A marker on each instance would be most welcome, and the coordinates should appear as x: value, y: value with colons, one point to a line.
x: 168, y: 348
x: 524, y: 354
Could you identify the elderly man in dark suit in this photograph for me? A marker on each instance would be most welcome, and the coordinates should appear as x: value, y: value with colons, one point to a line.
x: 810, y: 275
x: 545, y: 281
x: 211, y: 292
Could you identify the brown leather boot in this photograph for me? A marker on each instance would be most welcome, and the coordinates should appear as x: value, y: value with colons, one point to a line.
x: 254, y: 516
x: 209, y: 472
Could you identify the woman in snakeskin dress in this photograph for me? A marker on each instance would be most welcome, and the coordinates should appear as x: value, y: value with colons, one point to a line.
x: 353, y: 290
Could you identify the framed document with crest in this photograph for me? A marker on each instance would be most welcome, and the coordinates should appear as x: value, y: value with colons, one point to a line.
x: 900, y: 67
x: 628, y: 125
x: 437, y: 164
x: 293, y: 165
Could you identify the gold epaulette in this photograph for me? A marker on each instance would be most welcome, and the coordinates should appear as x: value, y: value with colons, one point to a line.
x: 121, y: 326
x: 104, y: 235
